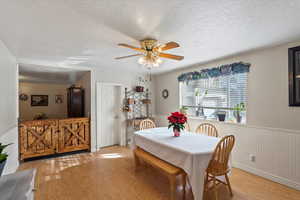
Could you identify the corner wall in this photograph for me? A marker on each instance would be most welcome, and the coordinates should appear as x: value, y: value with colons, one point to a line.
x: 272, y: 133
x: 85, y: 83
x: 8, y: 107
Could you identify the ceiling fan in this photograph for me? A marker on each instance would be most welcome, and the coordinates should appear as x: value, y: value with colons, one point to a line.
x: 151, y: 52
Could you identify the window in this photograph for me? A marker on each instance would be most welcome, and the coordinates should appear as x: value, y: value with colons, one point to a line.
x: 207, y: 97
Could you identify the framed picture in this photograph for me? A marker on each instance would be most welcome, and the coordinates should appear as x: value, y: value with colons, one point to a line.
x: 39, y: 100
x: 59, y: 99
x: 294, y: 76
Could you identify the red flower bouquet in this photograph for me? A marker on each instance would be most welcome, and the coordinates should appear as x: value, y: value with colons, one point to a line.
x: 177, y: 121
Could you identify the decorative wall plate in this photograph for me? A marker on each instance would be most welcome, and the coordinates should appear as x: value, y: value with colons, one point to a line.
x: 23, y: 97
x: 165, y: 93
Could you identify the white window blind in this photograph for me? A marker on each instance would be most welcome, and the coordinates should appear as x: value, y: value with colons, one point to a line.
x: 221, y: 93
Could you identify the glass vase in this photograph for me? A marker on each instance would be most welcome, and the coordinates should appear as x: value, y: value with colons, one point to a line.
x: 176, y: 132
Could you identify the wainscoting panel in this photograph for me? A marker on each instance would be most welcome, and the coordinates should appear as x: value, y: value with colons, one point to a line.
x: 276, y: 151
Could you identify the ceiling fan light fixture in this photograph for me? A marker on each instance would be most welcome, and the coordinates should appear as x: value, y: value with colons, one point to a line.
x: 150, y: 63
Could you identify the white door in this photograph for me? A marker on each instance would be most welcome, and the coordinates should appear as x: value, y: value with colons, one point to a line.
x: 108, y: 120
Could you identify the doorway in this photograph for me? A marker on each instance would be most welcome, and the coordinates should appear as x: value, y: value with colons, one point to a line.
x: 109, y: 116
x: 54, y: 110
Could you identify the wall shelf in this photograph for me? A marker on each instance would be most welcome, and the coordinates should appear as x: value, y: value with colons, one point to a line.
x: 137, y: 107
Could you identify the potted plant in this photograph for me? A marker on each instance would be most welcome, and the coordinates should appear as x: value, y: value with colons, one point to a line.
x: 221, y: 115
x: 184, y: 110
x: 3, y: 157
x: 199, y: 100
x: 40, y: 116
x: 238, y: 108
x: 177, y: 121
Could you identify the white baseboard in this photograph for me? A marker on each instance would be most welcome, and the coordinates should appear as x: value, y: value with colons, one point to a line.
x: 267, y: 175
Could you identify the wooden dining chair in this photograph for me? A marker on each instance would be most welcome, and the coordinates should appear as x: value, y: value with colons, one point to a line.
x: 187, y: 126
x: 146, y: 124
x: 218, y: 165
x: 208, y: 129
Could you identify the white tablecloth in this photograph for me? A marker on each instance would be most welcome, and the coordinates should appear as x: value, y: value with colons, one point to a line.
x: 191, y: 152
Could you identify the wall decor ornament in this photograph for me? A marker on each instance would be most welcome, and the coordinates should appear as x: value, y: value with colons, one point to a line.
x: 59, y: 99
x: 23, y: 97
x: 165, y: 93
x: 234, y: 68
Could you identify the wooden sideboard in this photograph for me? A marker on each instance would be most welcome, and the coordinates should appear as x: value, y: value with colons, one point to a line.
x: 53, y: 136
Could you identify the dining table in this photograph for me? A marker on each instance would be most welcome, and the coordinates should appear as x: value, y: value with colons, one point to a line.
x: 190, y: 152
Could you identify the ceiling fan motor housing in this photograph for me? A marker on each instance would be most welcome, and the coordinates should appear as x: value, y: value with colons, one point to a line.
x: 148, y: 44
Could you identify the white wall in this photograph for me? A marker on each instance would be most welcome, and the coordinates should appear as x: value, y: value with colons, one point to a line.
x: 12, y: 162
x: 85, y: 83
x: 272, y: 132
x: 8, y: 107
x: 8, y: 88
x: 53, y: 110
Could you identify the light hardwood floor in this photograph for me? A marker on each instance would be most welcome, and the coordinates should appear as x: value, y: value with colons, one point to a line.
x: 109, y: 175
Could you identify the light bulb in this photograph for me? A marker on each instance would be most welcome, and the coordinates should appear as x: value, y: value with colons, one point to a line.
x: 155, y: 64
x: 142, y: 60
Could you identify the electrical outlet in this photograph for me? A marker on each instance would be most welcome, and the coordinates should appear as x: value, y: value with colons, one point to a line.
x: 252, y: 158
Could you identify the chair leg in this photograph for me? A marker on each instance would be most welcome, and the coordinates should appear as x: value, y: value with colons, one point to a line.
x: 215, y: 188
x: 206, y: 182
x: 228, y: 184
x: 184, y: 185
x: 172, y: 180
x: 205, y: 185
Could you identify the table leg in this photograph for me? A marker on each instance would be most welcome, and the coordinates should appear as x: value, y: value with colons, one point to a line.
x: 184, y: 185
x: 136, y: 161
x: 172, y: 180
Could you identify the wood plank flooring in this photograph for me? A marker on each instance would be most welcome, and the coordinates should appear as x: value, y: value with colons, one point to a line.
x: 109, y: 175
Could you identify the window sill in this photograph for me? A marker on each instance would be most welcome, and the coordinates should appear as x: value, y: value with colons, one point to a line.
x: 217, y: 121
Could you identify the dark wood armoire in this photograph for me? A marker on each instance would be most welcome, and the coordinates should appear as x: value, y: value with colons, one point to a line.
x: 75, y: 102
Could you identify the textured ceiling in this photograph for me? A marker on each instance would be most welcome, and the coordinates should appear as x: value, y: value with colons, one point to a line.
x: 85, y: 32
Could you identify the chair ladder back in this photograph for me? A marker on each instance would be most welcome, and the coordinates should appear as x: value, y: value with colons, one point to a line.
x: 187, y: 126
x: 208, y: 129
x: 146, y: 124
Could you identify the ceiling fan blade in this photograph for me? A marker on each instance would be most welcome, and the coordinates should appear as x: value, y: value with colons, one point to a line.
x: 169, y: 45
x: 139, y: 54
x: 131, y: 47
x: 170, y: 56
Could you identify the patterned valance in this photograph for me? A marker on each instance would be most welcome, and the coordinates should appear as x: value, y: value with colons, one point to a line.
x: 222, y: 70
